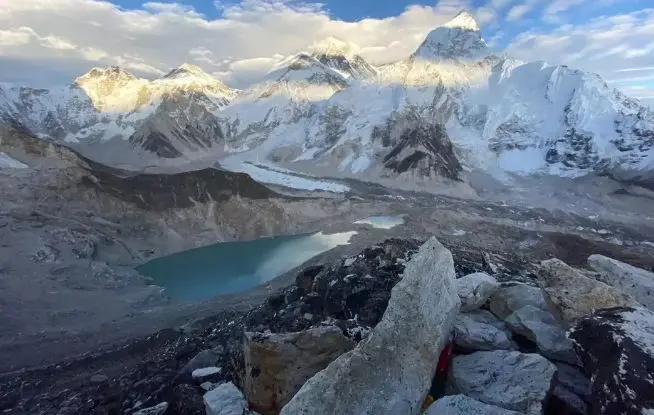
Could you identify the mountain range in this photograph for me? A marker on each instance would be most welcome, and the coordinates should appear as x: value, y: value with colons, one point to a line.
x: 453, y: 106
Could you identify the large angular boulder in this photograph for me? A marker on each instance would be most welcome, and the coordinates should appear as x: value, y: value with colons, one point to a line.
x: 475, y: 289
x: 464, y: 405
x: 226, y: 399
x: 616, y: 347
x: 510, y: 298
x: 634, y: 281
x: 540, y: 327
x: 390, y: 372
x: 508, y: 379
x: 571, y: 295
x: 277, y: 365
x: 481, y: 330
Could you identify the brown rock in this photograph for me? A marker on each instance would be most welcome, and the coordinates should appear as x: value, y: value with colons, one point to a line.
x: 277, y: 365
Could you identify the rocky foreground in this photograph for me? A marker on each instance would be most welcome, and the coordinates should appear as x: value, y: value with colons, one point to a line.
x: 364, y: 335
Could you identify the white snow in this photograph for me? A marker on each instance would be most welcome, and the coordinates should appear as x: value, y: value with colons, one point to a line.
x: 205, y: 371
x: 7, y: 162
x: 272, y: 175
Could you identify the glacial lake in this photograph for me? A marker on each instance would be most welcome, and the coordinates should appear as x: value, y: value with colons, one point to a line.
x: 232, y: 267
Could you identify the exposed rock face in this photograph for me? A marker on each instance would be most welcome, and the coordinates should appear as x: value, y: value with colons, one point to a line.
x: 633, y: 281
x: 510, y: 298
x: 226, y: 399
x: 464, y: 405
x: 480, y: 330
x: 277, y: 365
x: 508, y: 379
x: 570, y: 391
x: 539, y: 326
x: 616, y: 347
x: 475, y: 289
x: 397, y: 361
x: 179, y: 190
x: 571, y: 295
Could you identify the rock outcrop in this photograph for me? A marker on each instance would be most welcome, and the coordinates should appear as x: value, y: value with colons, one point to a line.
x: 539, y: 327
x: 634, y: 281
x: 391, y: 371
x: 508, y: 379
x: 475, y: 289
x: 464, y: 405
x: 510, y: 298
x: 277, y: 365
x: 481, y: 330
x: 616, y: 347
x: 571, y: 295
x: 226, y: 399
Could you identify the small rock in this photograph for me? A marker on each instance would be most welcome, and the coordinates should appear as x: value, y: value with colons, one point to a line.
x: 391, y: 371
x: 205, y: 372
x: 207, y: 386
x: 349, y: 261
x: 571, y: 295
x: 508, y: 299
x: 616, y: 347
x: 508, y: 379
x: 45, y: 254
x: 633, y: 281
x: 464, y: 405
x: 159, y: 409
x: 475, y: 289
x: 540, y: 327
x: 481, y: 330
x: 206, y: 358
x: 226, y: 399
x: 99, y: 378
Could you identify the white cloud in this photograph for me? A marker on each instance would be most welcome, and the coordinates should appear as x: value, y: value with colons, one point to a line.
x: 517, y: 12
x: 558, y: 6
x: 159, y: 36
x: 612, y: 46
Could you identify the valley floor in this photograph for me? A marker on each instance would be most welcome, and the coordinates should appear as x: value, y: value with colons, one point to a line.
x: 67, y: 267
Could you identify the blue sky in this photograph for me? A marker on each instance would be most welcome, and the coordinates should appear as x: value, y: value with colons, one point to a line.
x: 49, y: 41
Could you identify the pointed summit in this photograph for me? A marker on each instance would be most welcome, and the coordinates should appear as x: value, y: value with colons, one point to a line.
x: 188, y: 69
x: 342, y: 57
x: 332, y: 46
x: 109, y: 72
x: 463, y: 20
x: 458, y: 39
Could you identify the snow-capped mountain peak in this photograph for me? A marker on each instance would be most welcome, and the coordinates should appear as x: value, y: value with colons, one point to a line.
x: 187, y: 70
x: 463, y: 20
x: 109, y: 72
x: 332, y: 46
x: 458, y: 39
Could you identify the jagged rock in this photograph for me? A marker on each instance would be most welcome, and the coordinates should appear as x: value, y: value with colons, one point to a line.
x: 571, y: 295
x: 573, y: 378
x: 206, y: 358
x: 186, y: 399
x: 616, y: 347
x: 475, y: 289
x: 508, y: 379
x: 464, y: 405
x: 540, y: 327
x: 481, y: 330
x: 277, y: 365
x: 391, y: 371
x: 205, y: 372
x: 226, y: 399
x: 633, y: 281
x: 508, y: 299
x: 570, y: 391
x: 159, y: 409
x: 45, y: 254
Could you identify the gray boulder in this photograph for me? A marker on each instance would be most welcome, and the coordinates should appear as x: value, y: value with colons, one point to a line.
x: 508, y: 379
x: 481, y: 330
x: 475, y: 289
x: 159, y: 409
x: 616, y: 347
x: 277, y: 365
x: 508, y: 299
x: 571, y: 295
x: 205, y: 358
x: 634, y: 281
x: 390, y: 372
x: 226, y: 399
x: 540, y: 327
x: 464, y: 405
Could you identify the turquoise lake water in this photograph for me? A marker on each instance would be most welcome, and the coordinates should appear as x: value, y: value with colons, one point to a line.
x: 232, y: 267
